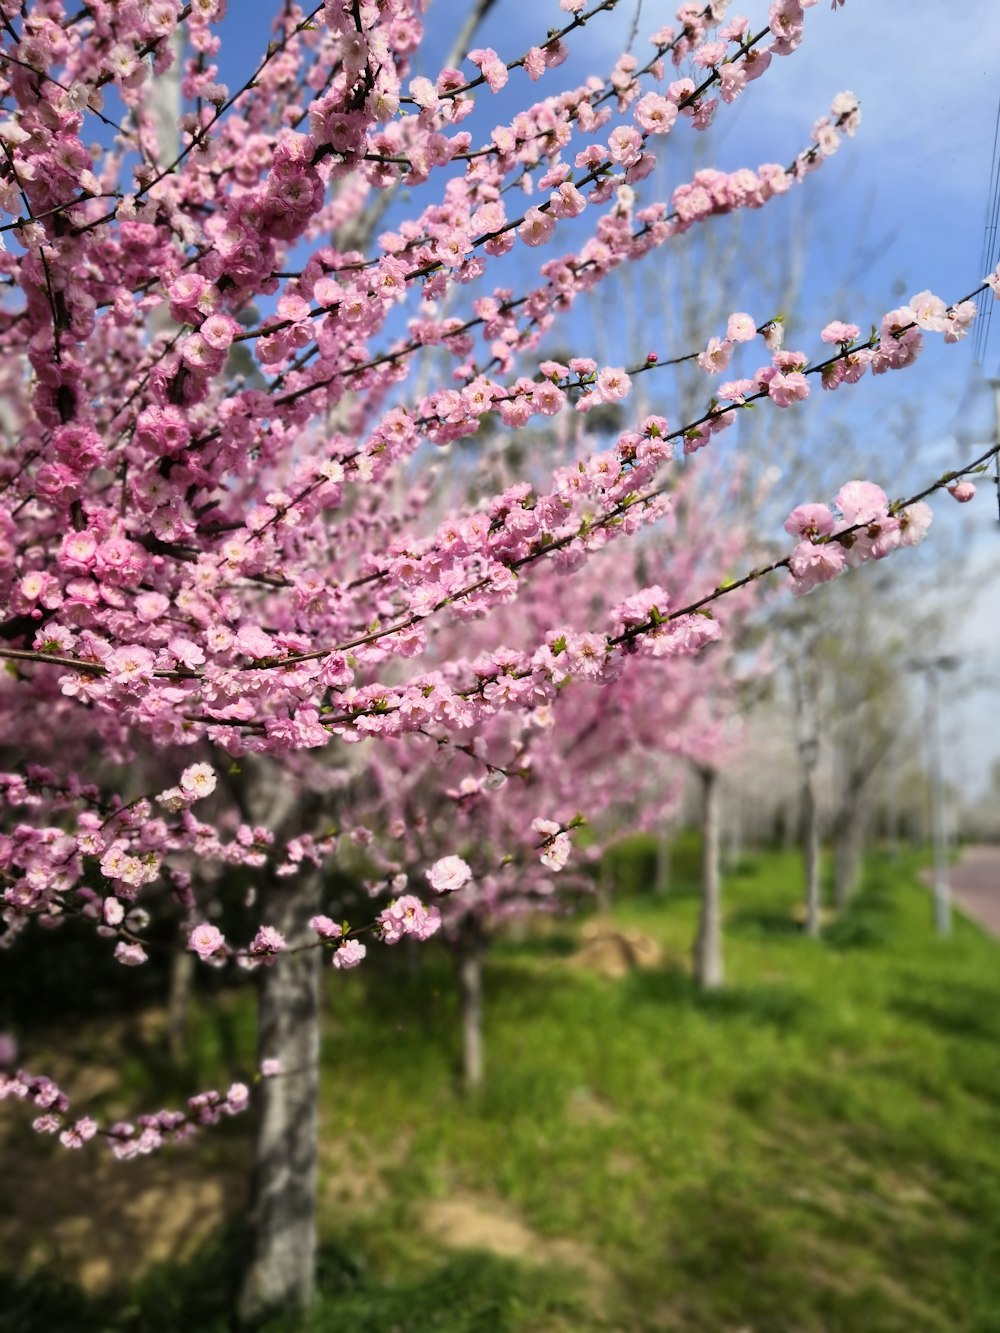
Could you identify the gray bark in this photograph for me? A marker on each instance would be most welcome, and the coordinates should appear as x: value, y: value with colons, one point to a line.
x: 470, y: 984
x: 708, y: 966
x: 848, y: 850
x: 281, y: 1264
x: 810, y: 840
x: 165, y: 103
x: 663, y: 843
x: 942, y: 886
x: 179, y: 997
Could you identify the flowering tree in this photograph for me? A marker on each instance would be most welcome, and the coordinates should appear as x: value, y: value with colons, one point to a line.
x: 213, y: 413
x: 615, y: 757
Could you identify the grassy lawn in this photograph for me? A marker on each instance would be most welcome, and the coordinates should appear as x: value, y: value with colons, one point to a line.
x: 815, y: 1148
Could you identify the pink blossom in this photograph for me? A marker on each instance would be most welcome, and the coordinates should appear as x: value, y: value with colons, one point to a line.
x: 219, y: 331
x: 613, y: 384
x: 774, y: 334
x: 838, y: 332
x: 424, y: 94
x: 567, y: 201
x: 825, y: 137
x: 786, y: 22
x: 655, y: 114
x: 77, y: 1135
x: 914, y: 522
x: 556, y: 852
x: 350, y: 954
x: 449, y: 874
x: 861, y: 502
x: 810, y: 520
x: 783, y: 390
x: 929, y: 312
x: 206, y: 940
x: 237, y: 1098
x: 130, y: 664
x: 812, y: 564
x: 741, y: 328
x: 186, y: 651
x: 846, y: 111
x: 534, y: 63
x: 736, y: 391
x: 267, y: 943
x: 732, y: 80
x: 963, y: 491
x: 716, y: 356
x: 537, y: 227
x: 198, y: 780
x: 325, y: 928
x: 493, y: 69
x: 130, y: 954
x: 408, y: 916
x: 625, y: 145
x: 960, y: 320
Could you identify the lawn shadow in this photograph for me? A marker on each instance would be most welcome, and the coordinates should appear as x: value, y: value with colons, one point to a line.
x: 764, y: 1268
x: 782, y: 1007
x: 471, y: 1292
x: 755, y: 924
x: 961, y: 1011
x: 555, y: 944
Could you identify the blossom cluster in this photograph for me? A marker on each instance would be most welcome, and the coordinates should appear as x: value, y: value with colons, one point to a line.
x: 126, y: 1139
x: 861, y: 526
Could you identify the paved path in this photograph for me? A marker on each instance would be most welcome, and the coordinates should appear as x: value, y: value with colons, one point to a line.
x: 975, y: 886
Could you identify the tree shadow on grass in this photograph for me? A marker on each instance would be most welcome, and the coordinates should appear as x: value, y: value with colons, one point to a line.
x: 754, y: 924
x: 196, y: 1295
x: 468, y: 1293
x: 777, y: 1006
x: 961, y: 1011
x: 747, y: 1261
x: 869, y: 920
x: 556, y: 944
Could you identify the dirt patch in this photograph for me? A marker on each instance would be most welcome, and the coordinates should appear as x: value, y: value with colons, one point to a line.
x: 467, y: 1222
x: 103, y: 1221
x: 614, y: 952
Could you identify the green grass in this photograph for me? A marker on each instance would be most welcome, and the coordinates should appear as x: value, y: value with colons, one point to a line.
x: 816, y: 1148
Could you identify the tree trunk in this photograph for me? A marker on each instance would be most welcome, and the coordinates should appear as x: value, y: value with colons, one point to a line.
x: 179, y: 997
x: 663, y: 843
x: 848, y: 851
x: 810, y: 837
x: 470, y: 985
x: 281, y: 1264
x: 708, y: 967
x: 734, y: 829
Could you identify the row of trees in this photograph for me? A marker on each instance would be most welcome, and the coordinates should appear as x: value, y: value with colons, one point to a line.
x: 245, y: 614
